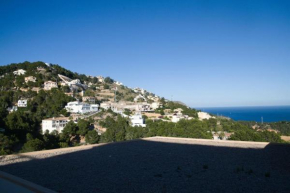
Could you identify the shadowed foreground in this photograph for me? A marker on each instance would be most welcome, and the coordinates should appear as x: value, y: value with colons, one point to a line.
x: 161, y: 165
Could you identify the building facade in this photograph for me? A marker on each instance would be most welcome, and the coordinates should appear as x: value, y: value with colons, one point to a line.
x: 22, y: 103
x: 80, y: 107
x: 137, y: 120
x: 57, y: 123
x: 48, y: 85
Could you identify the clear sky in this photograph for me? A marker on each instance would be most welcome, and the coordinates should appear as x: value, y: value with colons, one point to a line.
x: 205, y: 53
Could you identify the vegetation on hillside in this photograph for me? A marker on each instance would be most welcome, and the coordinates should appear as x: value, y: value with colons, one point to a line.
x: 20, y: 131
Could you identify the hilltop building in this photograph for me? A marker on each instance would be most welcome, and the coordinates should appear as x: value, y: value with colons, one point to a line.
x: 101, y: 79
x: 48, y: 85
x: 118, y: 83
x: 55, y: 123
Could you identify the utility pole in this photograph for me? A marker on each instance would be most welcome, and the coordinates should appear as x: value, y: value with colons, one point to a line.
x: 262, y: 120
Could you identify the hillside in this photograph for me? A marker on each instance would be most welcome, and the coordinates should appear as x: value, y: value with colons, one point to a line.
x: 48, y: 88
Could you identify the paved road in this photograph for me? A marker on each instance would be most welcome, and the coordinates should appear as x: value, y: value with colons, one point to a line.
x: 158, y: 165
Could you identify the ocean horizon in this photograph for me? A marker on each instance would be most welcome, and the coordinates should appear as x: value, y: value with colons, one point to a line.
x: 251, y: 113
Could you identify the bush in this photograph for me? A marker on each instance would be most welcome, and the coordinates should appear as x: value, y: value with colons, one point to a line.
x: 92, y: 137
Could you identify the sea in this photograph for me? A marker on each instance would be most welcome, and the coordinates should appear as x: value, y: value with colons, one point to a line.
x: 257, y: 114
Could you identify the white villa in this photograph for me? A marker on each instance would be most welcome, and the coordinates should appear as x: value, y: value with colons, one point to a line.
x: 48, y: 85
x: 19, y: 72
x: 57, y: 123
x: 29, y: 78
x: 22, y: 103
x: 80, y: 107
x: 137, y: 120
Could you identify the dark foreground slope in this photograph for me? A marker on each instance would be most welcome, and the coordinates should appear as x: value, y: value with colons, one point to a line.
x: 158, y: 165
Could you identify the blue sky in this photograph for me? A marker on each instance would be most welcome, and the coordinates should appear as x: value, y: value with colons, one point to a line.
x: 205, y: 53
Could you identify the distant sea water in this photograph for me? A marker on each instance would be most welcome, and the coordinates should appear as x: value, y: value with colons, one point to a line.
x: 269, y: 113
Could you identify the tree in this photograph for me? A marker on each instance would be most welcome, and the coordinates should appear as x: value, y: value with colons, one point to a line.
x: 6, y: 144
x: 51, y: 140
x: 106, y: 86
x: 83, y: 126
x: 20, y: 123
x: 95, y: 80
x: 70, y: 129
x: 3, y: 114
x: 65, y: 89
x: 92, y: 137
x: 33, y: 145
x: 109, y: 80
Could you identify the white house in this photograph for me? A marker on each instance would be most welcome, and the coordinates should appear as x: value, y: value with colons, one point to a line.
x: 19, y: 72
x: 22, y: 103
x: 30, y: 78
x: 48, y: 85
x: 176, y: 118
x: 57, y: 123
x: 155, y: 105
x: 80, y: 107
x: 137, y: 120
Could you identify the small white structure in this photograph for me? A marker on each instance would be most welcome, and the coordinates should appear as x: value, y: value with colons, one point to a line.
x: 48, y: 85
x: 22, y: 103
x: 94, y: 107
x: 118, y: 83
x: 176, y: 118
x: 19, y: 72
x: 155, y: 105
x: 80, y: 107
x: 29, y: 79
x: 12, y: 109
x: 57, y: 123
x: 204, y: 115
x: 221, y: 135
x: 101, y: 79
x: 137, y: 120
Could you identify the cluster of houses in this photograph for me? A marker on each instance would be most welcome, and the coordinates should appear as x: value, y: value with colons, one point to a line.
x: 88, y: 106
x: 58, y: 123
